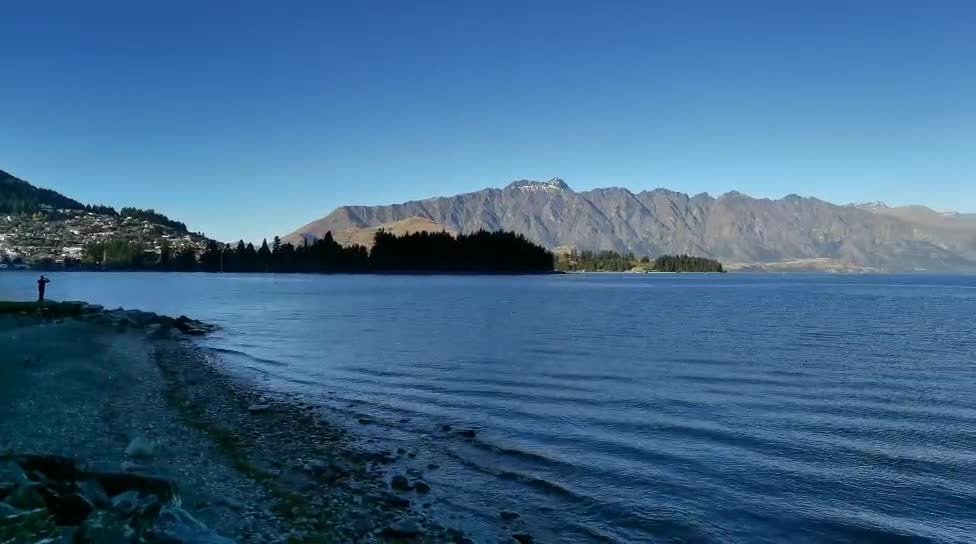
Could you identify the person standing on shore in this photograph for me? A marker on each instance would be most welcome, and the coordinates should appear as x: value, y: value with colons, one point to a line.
x: 41, y: 285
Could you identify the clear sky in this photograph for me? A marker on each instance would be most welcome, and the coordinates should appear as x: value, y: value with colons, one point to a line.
x: 249, y: 119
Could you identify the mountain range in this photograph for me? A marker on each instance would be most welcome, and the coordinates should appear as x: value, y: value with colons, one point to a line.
x: 791, y: 233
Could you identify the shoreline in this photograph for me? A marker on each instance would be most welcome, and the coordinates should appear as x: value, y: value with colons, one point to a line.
x: 253, y: 467
x: 336, y: 273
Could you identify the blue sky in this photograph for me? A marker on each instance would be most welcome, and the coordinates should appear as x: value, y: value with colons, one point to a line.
x: 249, y: 119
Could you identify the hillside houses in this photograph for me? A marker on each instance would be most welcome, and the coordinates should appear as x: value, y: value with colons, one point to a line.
x: 56, y: 235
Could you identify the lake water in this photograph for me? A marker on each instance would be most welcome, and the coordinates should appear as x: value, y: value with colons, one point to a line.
x: 625, y: 408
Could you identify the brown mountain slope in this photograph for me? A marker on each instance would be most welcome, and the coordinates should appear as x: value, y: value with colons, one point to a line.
x: 364, y: 236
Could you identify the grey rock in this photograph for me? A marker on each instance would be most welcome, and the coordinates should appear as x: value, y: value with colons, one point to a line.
x: 403, y: 527
x: 140, y: 448
x: 91, y: 308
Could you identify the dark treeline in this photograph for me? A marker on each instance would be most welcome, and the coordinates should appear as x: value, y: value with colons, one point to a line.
x: 152, y: 216
x: 611, y: 261
x: 420, y: 252
x: 19, y: 197
x: 324, y: 255
x: 481, y: 251
x: 598, y: 261
x: 686, y: 263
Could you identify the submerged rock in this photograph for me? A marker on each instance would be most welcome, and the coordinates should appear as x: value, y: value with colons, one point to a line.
x: 400, y: 483
x: 32, y: 526
x: 421, y: 487
x: 11, y: 473
x: 53, y: 467
x: 91, y: 308
x: 524, y: 538
x: 70, y: 509
x: 27, y: 496
x: 129, y: 466
x: 295, y: 480
x: 191, y: 326
x: 403, y: 527
x: 394, y: 500
x: 177, y: 526
x: 467, y: 433
x: 115, y: 483
x: 140, y: 448
x: 6, y: 510
x: 508, y: 515
x: 126, y: 503
x: 94, y: 492
x: 103, y: 527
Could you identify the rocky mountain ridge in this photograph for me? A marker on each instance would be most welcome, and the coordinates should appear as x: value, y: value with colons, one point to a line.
x: 734, y: 228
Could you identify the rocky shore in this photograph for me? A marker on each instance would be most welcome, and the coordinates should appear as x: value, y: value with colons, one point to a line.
x: 115, y: 428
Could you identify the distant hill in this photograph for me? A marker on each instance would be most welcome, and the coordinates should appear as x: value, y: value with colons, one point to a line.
x: 17, y: 196
x: 799, y: 233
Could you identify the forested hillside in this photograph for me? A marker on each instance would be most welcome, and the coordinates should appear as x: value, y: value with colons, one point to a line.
x: 18, y: 197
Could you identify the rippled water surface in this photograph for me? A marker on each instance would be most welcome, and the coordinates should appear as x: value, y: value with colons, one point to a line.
x: 627, y: 408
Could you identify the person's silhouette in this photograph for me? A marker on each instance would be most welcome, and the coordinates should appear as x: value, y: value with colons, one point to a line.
x: 41, y: 284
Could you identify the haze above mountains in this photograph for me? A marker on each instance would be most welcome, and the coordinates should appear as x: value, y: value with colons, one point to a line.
x: 792, y: 233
